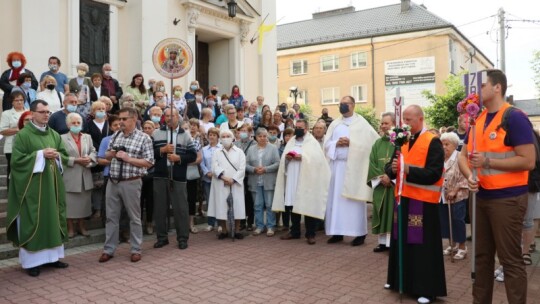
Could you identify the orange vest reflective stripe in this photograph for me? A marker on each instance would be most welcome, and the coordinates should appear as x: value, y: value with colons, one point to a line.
x: 416, y: 157
x: 490, y: 142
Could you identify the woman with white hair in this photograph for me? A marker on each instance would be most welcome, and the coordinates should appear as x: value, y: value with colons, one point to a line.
x: 228, y: 170
x: 77, y: 175
x: 455, y: 192
x: 81, y: 81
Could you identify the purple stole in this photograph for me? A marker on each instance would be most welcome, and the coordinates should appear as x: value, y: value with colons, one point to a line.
x: 415, y: 220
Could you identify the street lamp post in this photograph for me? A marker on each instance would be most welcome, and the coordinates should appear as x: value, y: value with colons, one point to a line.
x: 294, y: 93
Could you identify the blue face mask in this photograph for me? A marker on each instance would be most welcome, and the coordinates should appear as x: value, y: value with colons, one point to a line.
x: 155, y: 119
x: 243, y: 135
x: 71, y: 108
x: 75, y: 129
x: 16, y: 63
x: 272, y: 137
x: 26, y: 85
x: 343, y: 108
x: 194, y: 87
x: 100, y: 114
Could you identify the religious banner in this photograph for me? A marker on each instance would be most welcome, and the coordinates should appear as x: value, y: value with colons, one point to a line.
x: 473, y: 83
x: 172, y: 58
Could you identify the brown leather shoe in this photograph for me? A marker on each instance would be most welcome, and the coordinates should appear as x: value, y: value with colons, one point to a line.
x: 105, y: 257
x: 311, y: 240
x: 135, y: 257
x: 288, y: 236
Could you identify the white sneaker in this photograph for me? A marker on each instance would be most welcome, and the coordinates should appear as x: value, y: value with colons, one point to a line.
x: 270, y: 232
x: 500, y: 277
x: 423, y: 300
x: 387, y: 286
x: 498, y: 271
x: 209, y: 228
x: 257, y: 231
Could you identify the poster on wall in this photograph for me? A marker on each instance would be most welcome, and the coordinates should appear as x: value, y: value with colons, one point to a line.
x: 412, y: 76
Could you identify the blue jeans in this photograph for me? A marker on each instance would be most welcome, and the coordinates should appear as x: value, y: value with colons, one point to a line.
x: 263, y: 198
x: 211, y: 220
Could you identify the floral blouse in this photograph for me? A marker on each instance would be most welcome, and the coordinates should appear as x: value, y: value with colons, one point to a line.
x: 453, y: 179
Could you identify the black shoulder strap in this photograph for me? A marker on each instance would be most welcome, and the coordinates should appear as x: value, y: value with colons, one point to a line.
x: 228, y: 160
x: 504, y: 120
x: 250, y: 142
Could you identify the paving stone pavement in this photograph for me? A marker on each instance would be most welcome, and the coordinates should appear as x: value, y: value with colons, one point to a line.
x: 253, y: 270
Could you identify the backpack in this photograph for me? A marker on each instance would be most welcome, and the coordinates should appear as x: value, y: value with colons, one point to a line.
x: 534, y: 174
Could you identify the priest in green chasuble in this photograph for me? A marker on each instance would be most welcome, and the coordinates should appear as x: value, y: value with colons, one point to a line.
x: 383, y: 187
x: 36, y: 214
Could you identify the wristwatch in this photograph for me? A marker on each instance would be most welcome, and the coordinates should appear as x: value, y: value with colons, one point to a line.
x: 485, y: 164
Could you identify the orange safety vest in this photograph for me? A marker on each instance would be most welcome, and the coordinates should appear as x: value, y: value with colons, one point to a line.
x: 490, y: 142
x: 416, y: 157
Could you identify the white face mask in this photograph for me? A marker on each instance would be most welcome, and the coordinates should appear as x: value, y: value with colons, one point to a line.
x: 226, y: 142
x: 107, y: 73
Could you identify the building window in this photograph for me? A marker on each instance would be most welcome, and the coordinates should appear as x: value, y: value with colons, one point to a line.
x: 330, y: 95
x: 359, y: 92
x: 329, y: 63
x: 298, y: 67
x: 303, y: 93
x: 358, y: 60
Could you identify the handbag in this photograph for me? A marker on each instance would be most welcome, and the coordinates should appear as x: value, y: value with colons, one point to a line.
x: 192, y: 172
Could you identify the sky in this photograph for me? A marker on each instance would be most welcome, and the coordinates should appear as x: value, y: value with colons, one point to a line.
x: 522, y: 37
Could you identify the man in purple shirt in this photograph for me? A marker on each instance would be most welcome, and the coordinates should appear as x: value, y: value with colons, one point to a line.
x: 502, y: 158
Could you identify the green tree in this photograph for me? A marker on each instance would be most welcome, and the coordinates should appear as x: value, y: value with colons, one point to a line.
x: 370, y: 115
x: 535, y: 62
x: 442, y: 111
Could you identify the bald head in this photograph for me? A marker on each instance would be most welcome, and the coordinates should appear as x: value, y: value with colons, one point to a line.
x: 414, y: 117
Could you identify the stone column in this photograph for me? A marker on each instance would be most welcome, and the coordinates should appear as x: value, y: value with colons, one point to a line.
x: 192, y: 14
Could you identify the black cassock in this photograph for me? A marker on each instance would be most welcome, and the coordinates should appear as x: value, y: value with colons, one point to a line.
x: 423, y: 264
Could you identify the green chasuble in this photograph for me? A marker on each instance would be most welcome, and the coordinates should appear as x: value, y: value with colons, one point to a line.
x: 38, y: 199
x: 383, y: 197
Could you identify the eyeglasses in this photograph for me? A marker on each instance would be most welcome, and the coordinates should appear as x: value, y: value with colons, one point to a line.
x: 43, y: 112
x: 124, y: 118
x: 231, y: 113
x: 132, y: 100
x: 18, y: 100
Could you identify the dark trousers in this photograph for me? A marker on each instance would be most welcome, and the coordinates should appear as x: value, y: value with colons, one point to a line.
x: 286, y: 217
x: 499, y: 223
x: 176, y: 196
x: 147, y: 198
x: 192, y: 191
x: 310, y: 223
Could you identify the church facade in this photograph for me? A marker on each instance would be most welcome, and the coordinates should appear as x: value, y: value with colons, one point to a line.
x: 124, y: 33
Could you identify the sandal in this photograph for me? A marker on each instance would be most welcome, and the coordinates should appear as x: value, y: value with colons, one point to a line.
x: 449, y: 250
x: 461, y: 254
x: 527, y: 259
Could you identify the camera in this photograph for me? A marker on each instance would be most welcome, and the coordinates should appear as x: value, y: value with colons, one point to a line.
x: 119, y: 148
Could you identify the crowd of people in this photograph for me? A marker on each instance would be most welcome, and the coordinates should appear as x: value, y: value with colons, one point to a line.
x: 86, y: 147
